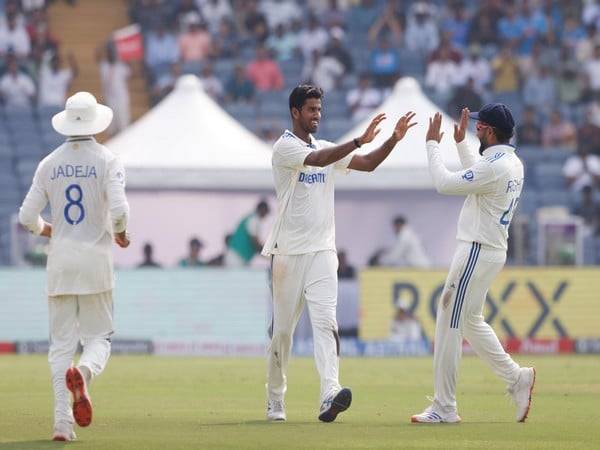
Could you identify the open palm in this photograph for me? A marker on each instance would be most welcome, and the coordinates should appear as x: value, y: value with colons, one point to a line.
x: 404, y: 124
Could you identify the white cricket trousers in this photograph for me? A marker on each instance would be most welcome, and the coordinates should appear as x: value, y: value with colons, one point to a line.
x: 75, y: 318
x: 460, y: 315
x: 310, y: 278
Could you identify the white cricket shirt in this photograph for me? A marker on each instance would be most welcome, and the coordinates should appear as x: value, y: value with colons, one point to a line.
x: 492, y: 184
x: 84, y: 183
x: 305, y: 194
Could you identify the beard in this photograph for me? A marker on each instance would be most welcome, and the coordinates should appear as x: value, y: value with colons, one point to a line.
x: 482, y: 146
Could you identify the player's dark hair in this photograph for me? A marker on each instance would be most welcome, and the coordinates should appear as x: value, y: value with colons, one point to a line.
x: 301, y: 93
x: 503, y: 135
x: 399, y: 220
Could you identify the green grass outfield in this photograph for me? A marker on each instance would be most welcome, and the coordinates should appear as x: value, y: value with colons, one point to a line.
x: 146, y: 402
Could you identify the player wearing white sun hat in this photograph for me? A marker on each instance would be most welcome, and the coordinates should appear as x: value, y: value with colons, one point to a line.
x: 84, y: 183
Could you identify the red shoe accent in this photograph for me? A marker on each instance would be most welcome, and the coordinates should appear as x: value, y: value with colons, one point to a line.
x: 59, y: 438
x: 82, y: 405
x: 530, y: 393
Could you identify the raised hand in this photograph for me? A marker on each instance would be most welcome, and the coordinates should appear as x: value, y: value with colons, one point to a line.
x: 372, y: 129
x: 435, y: 124
x: 403, y: 125
x: 122, y: 239
x: 461, y: 128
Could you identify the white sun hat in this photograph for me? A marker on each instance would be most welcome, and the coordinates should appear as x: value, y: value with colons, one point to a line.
x: 83, y: 116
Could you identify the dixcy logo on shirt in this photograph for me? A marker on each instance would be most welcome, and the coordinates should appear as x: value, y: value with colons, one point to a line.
x: 468, y: 175
x: 311, y: 178
x: 69, y: 171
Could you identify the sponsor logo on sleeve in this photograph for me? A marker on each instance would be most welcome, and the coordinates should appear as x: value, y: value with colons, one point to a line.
x: 468, y: 176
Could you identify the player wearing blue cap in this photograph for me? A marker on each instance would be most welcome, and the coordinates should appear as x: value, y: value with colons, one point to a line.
x: 492, y: 182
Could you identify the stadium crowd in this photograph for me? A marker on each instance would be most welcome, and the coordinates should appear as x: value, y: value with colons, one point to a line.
x: 541, y: 57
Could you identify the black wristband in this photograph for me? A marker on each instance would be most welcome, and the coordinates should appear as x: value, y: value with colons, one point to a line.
x: 356, y: 142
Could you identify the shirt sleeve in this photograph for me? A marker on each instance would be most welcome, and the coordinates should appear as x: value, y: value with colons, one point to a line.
x: 35, y: 201
x: 478, y: 179
x: 115, y: 193
x: 290, y: 153
x: 467, y: 156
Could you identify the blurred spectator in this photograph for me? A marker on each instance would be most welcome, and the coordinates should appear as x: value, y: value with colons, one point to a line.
x: 588, y: 208
x: 323, y: 71
x: 539, y: 90
x: 345, y: 270
x: 570, y: 89
x: 161, y: 48
x: 215, y: 12
x: 511, y: 27
x: 187, y: 11
x: 535, y: 25
x: 421, y: 34
x: 387, y: 24
x: 39, y: 30
x: 16, y: 88
x: 195, y: 44
x: 313, y: 37
x: 528, y: 131
x: 219, y: 260
x: 246, y: 241
x: 239, y: 87
x: 336, y: 50
x: 585, y: 47
x: 572, y: 33
x: 363, y: 99
x: 226, y: 41
x: 255, y: 22
x: 193, y: 257
x: 55, y: 81
x: 441, y: 77
x: 407, y: 251
x: 150, y: 13
x: 14, y: 38
x: 333, y: 16
x: 506, y: 71
x: 280, y: 11
x: 404, y: 328
x: 588, y: 134
x: 447, y: 48
x: 114, y: 75
x: 165, y: 83
x: 483, y: 27
x: 592, y: 70
x: 476, y: 68
x: 384, y: 64
x: 148, y: 260
x: 465, y: 96
x: 362, y: 15
x: 581, y: 169
x: 282, y: 43
x: 264, y: 72
x: 211, y: 83
x: 457, y: 25
x: 269, y: 135
x: 559, y: 132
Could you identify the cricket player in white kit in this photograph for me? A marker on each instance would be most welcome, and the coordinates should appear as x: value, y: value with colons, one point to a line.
x: 302, y: 243
x: 492, y: 182
x: 85, y: 185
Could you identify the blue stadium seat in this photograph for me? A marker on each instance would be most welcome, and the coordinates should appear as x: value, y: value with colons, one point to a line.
x: 554, y: 197
x: 549, y: 175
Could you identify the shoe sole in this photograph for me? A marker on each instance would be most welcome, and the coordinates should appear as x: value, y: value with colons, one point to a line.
x: 340, y: 403
x: 530, y: 395
x: 82, y: 406
x: 59, y: 438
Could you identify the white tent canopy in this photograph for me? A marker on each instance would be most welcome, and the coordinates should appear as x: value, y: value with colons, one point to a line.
x: 406, y: 167
x: 188, y: 142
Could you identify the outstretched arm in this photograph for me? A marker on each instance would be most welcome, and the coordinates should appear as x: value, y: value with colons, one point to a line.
x: 478, y: 179
x: 327, y: 156
x: 467, y: 156
x: 370, y: 161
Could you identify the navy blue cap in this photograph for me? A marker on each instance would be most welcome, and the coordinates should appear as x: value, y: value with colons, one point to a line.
x: 496, y: 115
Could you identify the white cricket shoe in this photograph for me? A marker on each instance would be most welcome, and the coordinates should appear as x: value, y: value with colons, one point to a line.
x: 521, y: 392
x: 431, y: 415
x: 276, y: 411
x: 336, y: 403
x: 63, y: 431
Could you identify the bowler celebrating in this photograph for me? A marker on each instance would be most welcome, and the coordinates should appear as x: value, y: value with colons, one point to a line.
x: 492, y: 182
x: 85, y: 185
x: 302, y: 243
